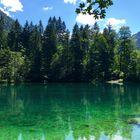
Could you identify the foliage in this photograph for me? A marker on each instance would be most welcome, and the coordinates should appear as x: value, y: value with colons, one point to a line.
x: 12, y: 66
x: 32, y: 54
x: 97, y: 8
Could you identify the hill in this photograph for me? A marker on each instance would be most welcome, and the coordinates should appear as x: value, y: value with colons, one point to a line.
x: 137, y: 37
x: 7, y: 21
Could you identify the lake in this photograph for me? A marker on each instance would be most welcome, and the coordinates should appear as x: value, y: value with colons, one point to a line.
x: 69, y: 112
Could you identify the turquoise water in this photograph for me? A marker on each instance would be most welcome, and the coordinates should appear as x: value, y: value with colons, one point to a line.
x: 69, y: 112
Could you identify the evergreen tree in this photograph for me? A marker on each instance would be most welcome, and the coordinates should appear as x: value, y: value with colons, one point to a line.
x: 76, y: 55
x: 49, y: 47
x: 14, y: 37
x: 40, y: 28
x: 61, y: 31
x: 60, y: 60
x: 2, y: 34
x: 35, y: 45
x: 53, y: 55
x: 111, y: 38
x: 85, y: 38
x: 25, y: 35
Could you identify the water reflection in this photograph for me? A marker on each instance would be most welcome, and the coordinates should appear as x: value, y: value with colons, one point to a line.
x: 69, y: 136
x: 136, y: 132
x: 95, y: 112
x: 118, y: 136
x: 20, y: 137
x: 43, y: 137
x: 103, y: 137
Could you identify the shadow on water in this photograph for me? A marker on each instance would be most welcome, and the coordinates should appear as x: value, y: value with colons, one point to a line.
x: 69, y: 112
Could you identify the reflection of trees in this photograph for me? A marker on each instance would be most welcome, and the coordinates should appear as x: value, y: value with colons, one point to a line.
x: 94, y: 111
x: 16, y: 103
x: 20, y: 137
x: 69, y: 136
x: 128, y: 100
x: 135, y: 133
x: 87, y: 110
x: 104, y: 106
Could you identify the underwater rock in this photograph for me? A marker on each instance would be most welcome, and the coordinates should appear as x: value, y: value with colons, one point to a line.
x: 86, y: 125
x: 135, y: 121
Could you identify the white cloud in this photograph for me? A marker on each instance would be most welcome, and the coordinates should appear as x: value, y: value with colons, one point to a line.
x: 11, y: 6
x: 70, y: 1
x: 47, y: 8
x: 86, y: 19
x: 83, y: 0
x: 115, y: 22
x: 6, y: 12
x: 73, y: 1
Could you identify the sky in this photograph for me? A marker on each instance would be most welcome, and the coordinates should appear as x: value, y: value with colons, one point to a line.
x: 123, y: 12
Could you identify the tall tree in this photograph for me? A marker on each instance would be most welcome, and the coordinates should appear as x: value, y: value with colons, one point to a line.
x: 126, y: 51
x: 111, y: 38
x: 34, y: 55
x: 49, y: 47
x: 97, y: 59
x: 2, y: 33
x: 85, y: 34
x: 61, y: 59
x: 40, y: 27
x: 25, y: 35
x: 76, y: 54
x: 14, y: 37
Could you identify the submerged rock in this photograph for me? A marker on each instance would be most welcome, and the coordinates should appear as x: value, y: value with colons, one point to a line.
x: 135, y: 121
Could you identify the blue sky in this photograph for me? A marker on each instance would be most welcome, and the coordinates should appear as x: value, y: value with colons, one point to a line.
x: 123, y: 12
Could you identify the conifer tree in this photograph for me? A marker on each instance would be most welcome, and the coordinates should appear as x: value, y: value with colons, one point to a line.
x: 14, y: 37
x: 76, y: 54
x: 48, y: 47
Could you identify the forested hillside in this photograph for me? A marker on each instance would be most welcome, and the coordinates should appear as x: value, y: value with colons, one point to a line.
x: 36, y: 54
x: 137, y: 38
x: 7, y: 21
